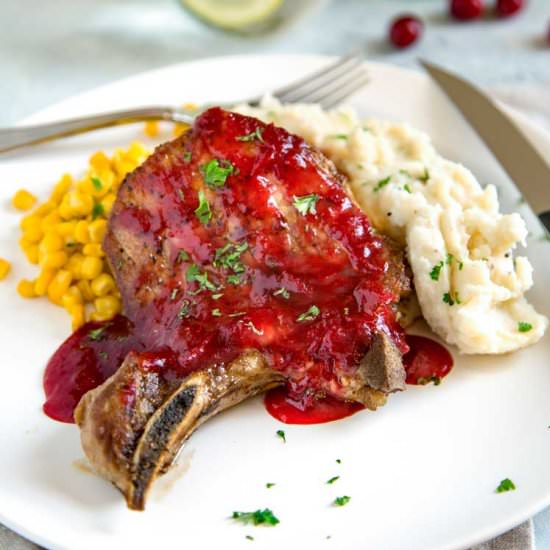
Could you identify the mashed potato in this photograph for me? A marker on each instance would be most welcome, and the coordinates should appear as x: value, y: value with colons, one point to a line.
x: 469, y: 285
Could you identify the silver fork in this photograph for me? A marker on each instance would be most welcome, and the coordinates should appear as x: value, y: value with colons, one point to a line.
x: 328, y: 86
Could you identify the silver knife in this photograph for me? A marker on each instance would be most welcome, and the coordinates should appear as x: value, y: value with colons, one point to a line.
x: 523, y: 163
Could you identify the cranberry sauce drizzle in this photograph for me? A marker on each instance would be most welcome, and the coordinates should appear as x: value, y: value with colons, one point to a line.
x: 313, y: 283
x: 84, y: 361
x: 426, y: 361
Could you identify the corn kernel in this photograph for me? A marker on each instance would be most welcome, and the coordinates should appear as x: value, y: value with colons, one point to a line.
x: 5, y: 267
x: 107, y: 202
x: 23, y: 200
x: 96, y: 316
x: 103, y: 284
x: 55, y: 259
x: 107, y: 305
x: 99, y: 161
x: 97, y: 230
x: 91, y: 267
x: 74, y: 264
x: 85, y: 290
x: 51, y: 242
x: 151, y: 128
x: 61, y: 188
x: 43, y: 280
x: 65, y: 229
x: 81, y: 233
x: 50, y: 221
x: 71, y: 298
x: 33, y: 234
x: 31, y: 252
x: 59, y: 285
x: 25, y: 288
x: 77, y: 316
x: 93, y: 249
x: 44, y: 209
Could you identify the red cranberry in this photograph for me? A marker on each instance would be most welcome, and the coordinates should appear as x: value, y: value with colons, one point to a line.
x: 506, y: 8
x: 405, y: 30
x: 465, y: 10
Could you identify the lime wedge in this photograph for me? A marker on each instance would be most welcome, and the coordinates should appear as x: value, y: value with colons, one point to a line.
x: 233, y: 14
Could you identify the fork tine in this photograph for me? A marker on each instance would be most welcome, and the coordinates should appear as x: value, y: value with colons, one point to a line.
x: 343, y: 81
x: 339, y: 95
x: 324, y: 74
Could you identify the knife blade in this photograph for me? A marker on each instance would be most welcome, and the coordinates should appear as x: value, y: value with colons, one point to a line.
x: 519, y: 158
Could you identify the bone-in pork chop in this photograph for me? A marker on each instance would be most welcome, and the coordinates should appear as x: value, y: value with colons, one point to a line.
x: 243, y: 264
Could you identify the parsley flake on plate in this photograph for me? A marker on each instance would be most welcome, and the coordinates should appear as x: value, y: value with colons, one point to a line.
x: 185, y: 310
x: 229, y: 257
x: 306, y: 204
x: 332, y: 480
x: 182, y: 256
x: 436, y: 271
x: 448, y: 299
x: 281, y: 434
x: 341, y: 501
x: 506, y: 485
x: 216, y: 313
x: 282, y: 292
x: 96, y: 334
x: 96, y: 182
x: 187, y: 156
x: 216, y: 172
x: 97, y: 210
x: 203, y: 212
x: 194, y: 274
x: 259, y: 517
x: 269, y: 485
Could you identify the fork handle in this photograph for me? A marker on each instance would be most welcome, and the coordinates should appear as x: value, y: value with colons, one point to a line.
x: 13, y: 138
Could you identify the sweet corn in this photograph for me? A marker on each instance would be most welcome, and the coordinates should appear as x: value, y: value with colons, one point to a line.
x: 91, y: 267
x: 55, y: 259
x: 103, y: 284
x: 43, y: 280
x: 64, y: 235
x: 81, y: 233
x: 5, y: 267
x: 23, y: 200
x: 93, y: 249
x: 25, y: 288
x: 78, y: 317
x: 59, y: 285
x: 151, y: 128
x: 85, y: 290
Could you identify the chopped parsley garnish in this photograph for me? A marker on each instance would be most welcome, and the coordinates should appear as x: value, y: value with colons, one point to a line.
x: 382, y: 183
x: 309, y: 315
x: 234, y: 280
x: 524, y: 327
x: 269, y: 485
x: 237, y: 314
x: 96, y: 334
x: 255, y: 330
x: 407, y: 188
x: 182, y: 256
x: 339, y: 136
x: 216, y: 313
x: 256, y: 134
x: 187, y: 156
x: 103, y: 355
x: 425, y: 177
x: 97, y: 210
x: 194, y: 274
x: 436, y: 271
x: 338, y: 461
x: 281, y: 434
x: 405, y: 173
x: 448, y: 299
x: 249, y: 537
x: 506, y: 485
x: 185, y: 309
x: 203, y: 212
x: 259, y: 517
x: 426, y: 380
x: 332, y: 480
x: 306, y: 204
x: 449, y: 259
x: 173, y: 294
x: 282, y: 292
x: 96, y: 182
x: 229, y: 257
x: 217, y: 296
x: 341, y: 501
x: 215, y: 172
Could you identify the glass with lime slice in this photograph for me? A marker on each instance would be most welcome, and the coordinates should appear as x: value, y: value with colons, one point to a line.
x: 244, y: 16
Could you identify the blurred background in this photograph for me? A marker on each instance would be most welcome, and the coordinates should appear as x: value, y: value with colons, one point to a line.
x: 50, y: 49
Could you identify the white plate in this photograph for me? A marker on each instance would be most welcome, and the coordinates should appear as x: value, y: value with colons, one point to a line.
x: 421, y: 472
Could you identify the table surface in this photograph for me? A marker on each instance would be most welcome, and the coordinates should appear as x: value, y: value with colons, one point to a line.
x: 51, y: 49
